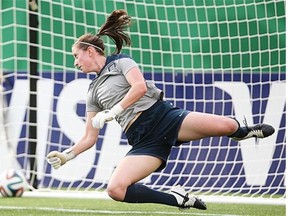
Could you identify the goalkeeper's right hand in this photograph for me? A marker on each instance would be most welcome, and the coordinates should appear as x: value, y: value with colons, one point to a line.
x: 57, y: 159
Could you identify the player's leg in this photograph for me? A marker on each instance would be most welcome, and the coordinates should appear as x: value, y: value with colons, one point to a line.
x: 200, y: 125
x: 132, y: 169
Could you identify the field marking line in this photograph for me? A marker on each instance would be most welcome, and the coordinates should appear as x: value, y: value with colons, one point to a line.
x: 108, y: 212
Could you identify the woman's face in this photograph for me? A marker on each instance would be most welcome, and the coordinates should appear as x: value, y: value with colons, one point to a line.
x: 85, y: 59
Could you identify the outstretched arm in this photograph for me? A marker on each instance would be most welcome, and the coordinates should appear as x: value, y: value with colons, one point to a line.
x: 90, y: 136
x: 57, y: 159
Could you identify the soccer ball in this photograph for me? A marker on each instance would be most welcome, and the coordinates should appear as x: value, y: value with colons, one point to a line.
x: 12, y: 183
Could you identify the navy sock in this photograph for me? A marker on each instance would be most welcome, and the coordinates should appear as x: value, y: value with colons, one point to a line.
x: 141, y: 194
x: 241, y: 131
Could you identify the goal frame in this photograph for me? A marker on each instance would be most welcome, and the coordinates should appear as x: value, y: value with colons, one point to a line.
x: 205, y: 57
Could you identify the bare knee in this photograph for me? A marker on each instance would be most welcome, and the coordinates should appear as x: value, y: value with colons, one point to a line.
x: 225, y: 126
x: 231, y: 126
x: 116, y: 191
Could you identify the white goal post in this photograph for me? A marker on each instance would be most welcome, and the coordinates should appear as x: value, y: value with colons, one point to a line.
x: 221, y: 57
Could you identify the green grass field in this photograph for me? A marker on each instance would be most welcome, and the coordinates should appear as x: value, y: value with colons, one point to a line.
x: 71, y: 207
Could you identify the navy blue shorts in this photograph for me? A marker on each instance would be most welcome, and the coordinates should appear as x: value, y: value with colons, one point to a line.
x: 155, y: 131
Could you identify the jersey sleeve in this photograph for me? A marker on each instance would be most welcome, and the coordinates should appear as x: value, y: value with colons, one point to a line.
x: 91, y: 106
x: 125, y: 64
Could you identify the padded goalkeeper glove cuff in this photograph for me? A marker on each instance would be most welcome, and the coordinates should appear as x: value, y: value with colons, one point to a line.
x: 69, y: 153
x: 101, y: 118
x: 57, y: 159
x: 117, y: 109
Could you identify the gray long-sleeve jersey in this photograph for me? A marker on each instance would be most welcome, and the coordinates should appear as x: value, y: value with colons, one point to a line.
x: 110, y: 86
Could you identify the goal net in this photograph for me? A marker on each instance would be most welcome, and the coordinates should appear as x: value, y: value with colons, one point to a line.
x: 221, y: 57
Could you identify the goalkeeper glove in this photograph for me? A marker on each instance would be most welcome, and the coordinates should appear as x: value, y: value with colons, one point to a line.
x: 57, y: 159
x: 101, y: 118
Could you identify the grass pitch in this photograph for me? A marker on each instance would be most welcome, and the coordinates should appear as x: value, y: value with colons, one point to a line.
x: 31, y: 206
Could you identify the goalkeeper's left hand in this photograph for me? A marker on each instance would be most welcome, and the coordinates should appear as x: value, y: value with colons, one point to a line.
x: 57, y: 159
x: 101, y: 118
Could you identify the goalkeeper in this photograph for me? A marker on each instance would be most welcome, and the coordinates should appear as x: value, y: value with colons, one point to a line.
x: 152, y: 125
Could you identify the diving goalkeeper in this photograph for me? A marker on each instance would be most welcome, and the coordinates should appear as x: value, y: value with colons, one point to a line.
x: 152, y: 125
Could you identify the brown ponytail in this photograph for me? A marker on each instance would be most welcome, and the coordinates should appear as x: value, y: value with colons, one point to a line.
x: 114, y: 28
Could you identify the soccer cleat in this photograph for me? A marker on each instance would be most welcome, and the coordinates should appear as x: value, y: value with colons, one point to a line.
x: 185, y: 201
x: 257, y: 131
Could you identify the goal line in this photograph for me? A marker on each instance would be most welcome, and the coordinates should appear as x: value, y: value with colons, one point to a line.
x: 103, y: 195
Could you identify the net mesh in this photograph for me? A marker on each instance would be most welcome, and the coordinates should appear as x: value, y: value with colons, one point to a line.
x: 221, y: 57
